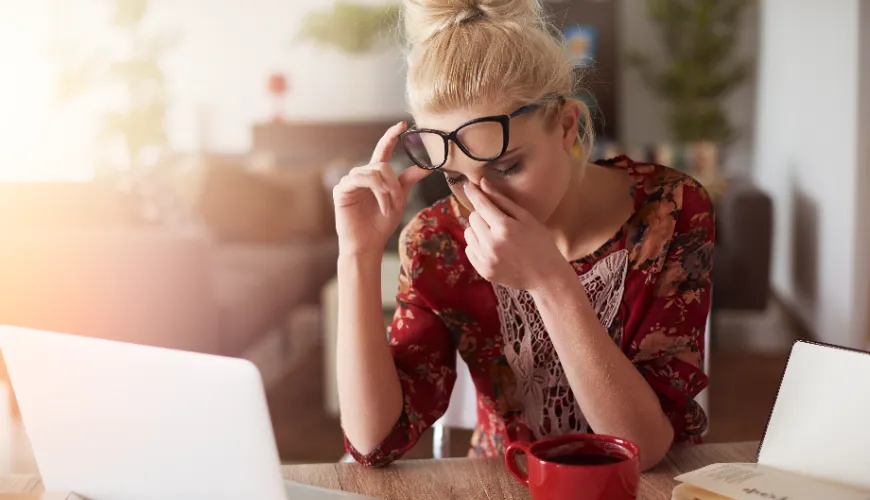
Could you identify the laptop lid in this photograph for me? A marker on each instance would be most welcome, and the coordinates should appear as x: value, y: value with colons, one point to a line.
x: 819, y: 424
x: 116, y: 421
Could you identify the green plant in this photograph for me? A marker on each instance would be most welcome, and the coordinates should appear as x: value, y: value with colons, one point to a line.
x: 700, y: 70
x: 350, y: 27
x: 126, y: 71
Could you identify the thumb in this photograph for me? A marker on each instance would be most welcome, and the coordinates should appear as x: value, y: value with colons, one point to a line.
x: 412, y: 175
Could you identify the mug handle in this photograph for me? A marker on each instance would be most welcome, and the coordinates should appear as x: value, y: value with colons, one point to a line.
x: 510, y: 457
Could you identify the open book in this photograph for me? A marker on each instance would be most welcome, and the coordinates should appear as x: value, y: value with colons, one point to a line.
x: 817, y: 441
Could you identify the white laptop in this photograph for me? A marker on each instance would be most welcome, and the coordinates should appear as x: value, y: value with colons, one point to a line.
x: 115, y: 421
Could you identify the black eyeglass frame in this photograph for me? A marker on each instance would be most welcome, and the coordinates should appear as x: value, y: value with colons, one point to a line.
x: 504, y: 120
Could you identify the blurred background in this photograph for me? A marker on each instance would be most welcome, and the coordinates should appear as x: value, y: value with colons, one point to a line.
x: 166, y: 171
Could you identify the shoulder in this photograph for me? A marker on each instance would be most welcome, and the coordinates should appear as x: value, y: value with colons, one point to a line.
x: 670, y: 205
x: 665, y: 189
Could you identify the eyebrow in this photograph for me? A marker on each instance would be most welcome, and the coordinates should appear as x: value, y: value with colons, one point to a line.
x: 503, y: 157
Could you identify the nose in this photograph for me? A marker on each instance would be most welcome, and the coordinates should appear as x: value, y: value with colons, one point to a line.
x: 468, y: 167
x: 475, y: 177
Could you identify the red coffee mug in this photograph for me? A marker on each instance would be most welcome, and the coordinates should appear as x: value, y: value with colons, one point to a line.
x: 578, y: 467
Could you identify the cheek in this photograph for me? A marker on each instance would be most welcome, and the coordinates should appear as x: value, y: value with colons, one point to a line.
x: 528, y: 193
x: 540, y: 190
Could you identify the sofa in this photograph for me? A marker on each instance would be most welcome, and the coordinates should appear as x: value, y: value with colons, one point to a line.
x: 158, y: 287
x: 79, y: 258
x: 744, y: 246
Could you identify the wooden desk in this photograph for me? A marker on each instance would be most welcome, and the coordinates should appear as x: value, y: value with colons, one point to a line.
x: 488, y: 478
x: 458, y: 478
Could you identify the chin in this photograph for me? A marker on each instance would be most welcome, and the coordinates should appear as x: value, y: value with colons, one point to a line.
x: 540, y: 211
x: 545, y: 220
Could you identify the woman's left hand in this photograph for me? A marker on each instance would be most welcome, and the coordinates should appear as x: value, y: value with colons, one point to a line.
x: 506, y: 244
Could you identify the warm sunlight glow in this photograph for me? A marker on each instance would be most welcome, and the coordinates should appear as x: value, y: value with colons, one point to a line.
x: 38, y: 142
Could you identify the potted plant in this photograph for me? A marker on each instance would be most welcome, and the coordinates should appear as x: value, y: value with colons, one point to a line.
x: 699, y: 71
x: 353, y: 63
x: 350, y: 27
x: 127, y: 69
x: 125, y: 74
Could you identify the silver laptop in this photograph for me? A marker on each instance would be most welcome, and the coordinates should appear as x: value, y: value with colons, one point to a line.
x: 116, y: 421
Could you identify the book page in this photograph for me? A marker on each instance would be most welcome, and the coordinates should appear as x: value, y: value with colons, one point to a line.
x: 759, y: 482
x: 818, y: 426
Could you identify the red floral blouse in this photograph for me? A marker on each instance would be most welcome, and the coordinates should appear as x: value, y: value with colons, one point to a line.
x: 649, y: 284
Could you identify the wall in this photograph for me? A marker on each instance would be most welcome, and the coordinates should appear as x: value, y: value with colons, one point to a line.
x: 215, y: 76
x: 807, y: 157
x: 863, y: 184
x: 217, y: 73
x: 642, y: 113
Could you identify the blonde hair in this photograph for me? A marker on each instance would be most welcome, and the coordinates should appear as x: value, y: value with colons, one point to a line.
x: 475, y: 53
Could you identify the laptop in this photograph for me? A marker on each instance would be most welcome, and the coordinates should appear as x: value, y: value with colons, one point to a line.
x: 110, y: 420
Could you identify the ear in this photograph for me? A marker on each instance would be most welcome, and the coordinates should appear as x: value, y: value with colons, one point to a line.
x: 569, y: 125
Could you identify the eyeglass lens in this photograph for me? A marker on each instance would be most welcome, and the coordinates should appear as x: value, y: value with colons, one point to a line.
x: 483, y: 140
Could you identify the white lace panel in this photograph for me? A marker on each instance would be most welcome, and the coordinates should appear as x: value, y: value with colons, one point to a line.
x: 542, y: 387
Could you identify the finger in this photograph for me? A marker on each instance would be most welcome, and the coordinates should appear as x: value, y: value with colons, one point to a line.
x: 482, y: 204
x: 480, y: 230
x: 380, y: 189
x: 473, y: 254
x: 412, y: 175
x: 352, y: 184
x: 387, y: 144
x: 471, y: 240
x: 472, y: 247
x: 475, y: 261
x: 392, y: 181
x: 504, y: 204
x: 372, y: 181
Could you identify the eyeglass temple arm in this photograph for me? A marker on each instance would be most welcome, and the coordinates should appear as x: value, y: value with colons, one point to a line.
x: 531, y: 107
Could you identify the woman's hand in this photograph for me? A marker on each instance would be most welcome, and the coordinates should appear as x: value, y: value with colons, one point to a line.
x: 369, y: 200
x: 506, y: 244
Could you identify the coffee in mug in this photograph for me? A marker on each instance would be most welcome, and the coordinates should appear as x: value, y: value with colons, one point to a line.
x: 578, y: 467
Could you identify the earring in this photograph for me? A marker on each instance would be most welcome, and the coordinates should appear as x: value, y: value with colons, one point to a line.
x: 577, y: 148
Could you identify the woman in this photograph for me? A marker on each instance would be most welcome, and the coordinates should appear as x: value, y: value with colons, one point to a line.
x: 576, y: 292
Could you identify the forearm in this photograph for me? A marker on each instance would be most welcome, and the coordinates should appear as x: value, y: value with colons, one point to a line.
x: 369, y: 392
x: 614, y: 396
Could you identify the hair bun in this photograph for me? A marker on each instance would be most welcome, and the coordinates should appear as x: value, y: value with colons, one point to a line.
x: 425, y: 18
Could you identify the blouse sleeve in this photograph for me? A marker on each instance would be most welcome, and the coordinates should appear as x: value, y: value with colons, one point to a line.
x: 669, y: 347
x: 423, y: 351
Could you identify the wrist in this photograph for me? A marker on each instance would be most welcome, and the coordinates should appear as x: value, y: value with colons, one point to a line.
x: 350, y: 261
x: 558, y: 278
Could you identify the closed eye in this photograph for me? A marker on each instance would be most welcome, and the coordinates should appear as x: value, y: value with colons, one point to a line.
x: 454, y: 179
x: 508, y: 171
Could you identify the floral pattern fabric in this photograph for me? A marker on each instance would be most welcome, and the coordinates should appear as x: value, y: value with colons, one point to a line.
x: 445, y: 307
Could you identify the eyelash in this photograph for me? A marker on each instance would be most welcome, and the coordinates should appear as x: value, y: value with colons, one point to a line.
x: 452, y: 181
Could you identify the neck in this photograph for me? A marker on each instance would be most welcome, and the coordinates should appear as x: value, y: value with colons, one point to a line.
x: 569, y: 215
x: 588, y: 211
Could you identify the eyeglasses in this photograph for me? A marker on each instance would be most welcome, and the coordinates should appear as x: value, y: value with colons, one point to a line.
x: 481, y: 139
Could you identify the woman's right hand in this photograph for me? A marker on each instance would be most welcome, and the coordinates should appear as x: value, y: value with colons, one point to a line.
x: 369, y: 200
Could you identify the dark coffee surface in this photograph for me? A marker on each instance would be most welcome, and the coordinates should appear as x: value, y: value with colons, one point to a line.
x: 584, y: 459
